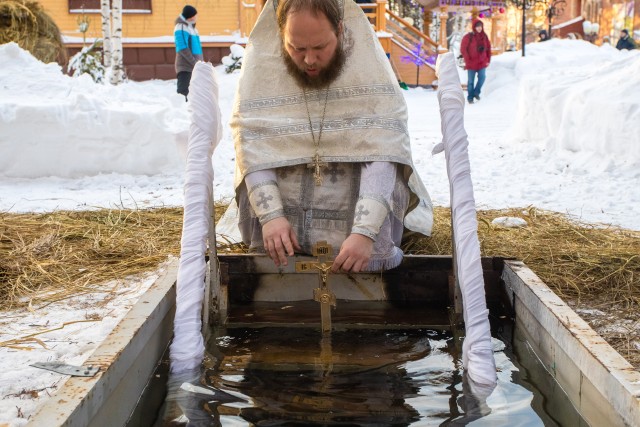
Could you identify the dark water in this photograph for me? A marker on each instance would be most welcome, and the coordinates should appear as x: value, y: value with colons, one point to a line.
x: 276, y: 376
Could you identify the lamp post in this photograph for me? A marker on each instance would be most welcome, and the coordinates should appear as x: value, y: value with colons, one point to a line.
x: 524, y: 5
x: 555, y: 8
x: 591, y: 30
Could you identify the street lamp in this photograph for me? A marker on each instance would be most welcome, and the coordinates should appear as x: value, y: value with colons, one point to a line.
x: 524, y: 5
x: 590, y: 30
x: 555, y: 8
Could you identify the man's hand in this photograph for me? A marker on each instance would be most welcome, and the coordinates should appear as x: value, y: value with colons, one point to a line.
x: 354, y: 254
x: 279, y: 240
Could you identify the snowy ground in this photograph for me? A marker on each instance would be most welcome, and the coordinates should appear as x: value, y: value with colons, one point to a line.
x: 558, y: 130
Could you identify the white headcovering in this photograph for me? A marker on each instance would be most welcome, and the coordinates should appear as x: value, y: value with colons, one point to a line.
x: 365, y: 120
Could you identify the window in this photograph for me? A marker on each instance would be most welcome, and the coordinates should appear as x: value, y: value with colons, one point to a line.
x: 93, y: 6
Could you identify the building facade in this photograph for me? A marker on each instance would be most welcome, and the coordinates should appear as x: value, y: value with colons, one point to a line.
x: 612, y: 16
x: 147, y: 29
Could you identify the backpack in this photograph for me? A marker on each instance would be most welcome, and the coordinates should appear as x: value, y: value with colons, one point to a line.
x: 460, y: 58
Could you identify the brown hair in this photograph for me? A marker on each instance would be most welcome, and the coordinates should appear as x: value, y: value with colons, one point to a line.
x: 329, y: 8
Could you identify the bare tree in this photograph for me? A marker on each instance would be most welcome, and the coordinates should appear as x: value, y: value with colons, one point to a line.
x: 105, y: 11
x: 117, y: 68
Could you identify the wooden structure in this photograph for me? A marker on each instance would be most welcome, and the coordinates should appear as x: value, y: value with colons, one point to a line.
x: 581, y: 368
x: 148, y: 25
x: 148, y: 29
x: 612, y: 16
x: 148, y: 33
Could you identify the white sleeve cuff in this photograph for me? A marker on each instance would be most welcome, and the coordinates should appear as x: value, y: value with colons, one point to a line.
x: 369, y: 215
x: 266, y: 201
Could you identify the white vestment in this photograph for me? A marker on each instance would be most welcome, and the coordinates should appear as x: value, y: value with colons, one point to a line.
x: 365, y: 122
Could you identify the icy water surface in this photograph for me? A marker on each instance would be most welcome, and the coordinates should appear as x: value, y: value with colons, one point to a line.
x: 276, y: 376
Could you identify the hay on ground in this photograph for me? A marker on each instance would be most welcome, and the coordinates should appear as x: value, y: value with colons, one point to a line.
x: 26, y: 23
x: 577, y: 260
x: 51, y: 256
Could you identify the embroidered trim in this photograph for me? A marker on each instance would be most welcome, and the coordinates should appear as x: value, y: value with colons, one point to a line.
x: 386, y: 263
x: 328, y: 159
x: 268, y: 217
x: 364, y: 232
x: 262, y: 184
x: 334, y: 94
x: 328, y: 126
x: 378, y: 198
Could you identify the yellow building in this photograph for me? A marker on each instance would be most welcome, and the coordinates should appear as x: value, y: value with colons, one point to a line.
x: 147, y: 29
x: 147, y: 33
x: 155, y: 18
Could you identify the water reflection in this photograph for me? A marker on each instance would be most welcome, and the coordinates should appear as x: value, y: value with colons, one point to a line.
x: 294, y: 377
x: 191, y: 403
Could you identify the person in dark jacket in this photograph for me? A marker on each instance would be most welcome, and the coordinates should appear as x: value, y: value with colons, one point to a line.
x: 543, y: 36
x: 188, y: 47
x: 476, y: 51
x: 626, y: 42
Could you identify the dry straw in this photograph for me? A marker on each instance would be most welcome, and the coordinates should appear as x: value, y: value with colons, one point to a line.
x: 588, y: 263
x: 51, y: 256
x: 26, y: 23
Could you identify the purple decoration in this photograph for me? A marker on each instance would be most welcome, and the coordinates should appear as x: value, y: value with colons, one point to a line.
x: 481, y: 3
x: 416, y: 58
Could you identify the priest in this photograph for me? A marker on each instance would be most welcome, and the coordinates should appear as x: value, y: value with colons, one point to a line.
x: 322, y: 146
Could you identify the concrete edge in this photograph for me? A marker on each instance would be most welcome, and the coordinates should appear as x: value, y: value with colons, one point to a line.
x: 571, y: 340
x: 127, y: 359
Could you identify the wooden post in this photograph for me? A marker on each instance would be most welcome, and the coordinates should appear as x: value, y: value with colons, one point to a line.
x: 249, y: 11
x: 444, y: 16
x: 427, y: 19
x: 495, y: 17
x: 381, y: 15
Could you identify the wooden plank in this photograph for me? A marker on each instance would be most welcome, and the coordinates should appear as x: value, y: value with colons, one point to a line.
x: 127, y: 358
x: 346, y: 315
x: 601, y: 384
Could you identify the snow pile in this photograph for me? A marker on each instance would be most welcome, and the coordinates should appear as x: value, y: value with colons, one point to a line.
x: 233, y: 61
x: 69, y: 331
x: 55, y: 125
x: 578, y: 98
x: 533, y: 138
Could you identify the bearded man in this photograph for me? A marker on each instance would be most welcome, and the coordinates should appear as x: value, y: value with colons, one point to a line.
x: 322, y: 148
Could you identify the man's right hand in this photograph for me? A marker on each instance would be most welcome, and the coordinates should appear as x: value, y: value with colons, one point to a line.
x: 279, y: 240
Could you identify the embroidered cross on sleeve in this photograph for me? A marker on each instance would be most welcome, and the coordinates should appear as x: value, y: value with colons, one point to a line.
x: 371, y: 212
x: 264, y: 195
x: 374, y: 204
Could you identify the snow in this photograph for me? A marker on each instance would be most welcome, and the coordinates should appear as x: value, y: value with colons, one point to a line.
x: 509, y: 222
x: 557, y: 130
x: 86, y: 321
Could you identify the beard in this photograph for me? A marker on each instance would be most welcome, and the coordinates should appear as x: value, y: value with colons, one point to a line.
x: 324, y: 77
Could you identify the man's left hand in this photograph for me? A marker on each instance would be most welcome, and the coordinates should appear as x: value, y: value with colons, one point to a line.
x: 354, y: 254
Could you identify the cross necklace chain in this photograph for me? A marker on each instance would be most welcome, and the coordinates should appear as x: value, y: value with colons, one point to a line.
x: 316, y: 164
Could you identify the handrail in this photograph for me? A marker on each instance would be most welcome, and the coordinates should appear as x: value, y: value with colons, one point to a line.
x: 425, y: 53
x: 406, y: 36
x: 411, y: 29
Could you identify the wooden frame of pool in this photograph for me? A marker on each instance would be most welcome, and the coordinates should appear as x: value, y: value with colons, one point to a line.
x: 598, y: 381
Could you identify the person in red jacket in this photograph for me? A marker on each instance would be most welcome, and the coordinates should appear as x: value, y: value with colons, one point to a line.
x: 476, y: 51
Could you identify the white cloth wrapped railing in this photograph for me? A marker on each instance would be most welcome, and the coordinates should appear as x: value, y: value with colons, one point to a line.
x: 205, y: 132
x: 477, y: 350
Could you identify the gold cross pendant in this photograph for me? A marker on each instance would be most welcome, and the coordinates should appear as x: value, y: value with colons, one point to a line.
x: 317, y: 165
